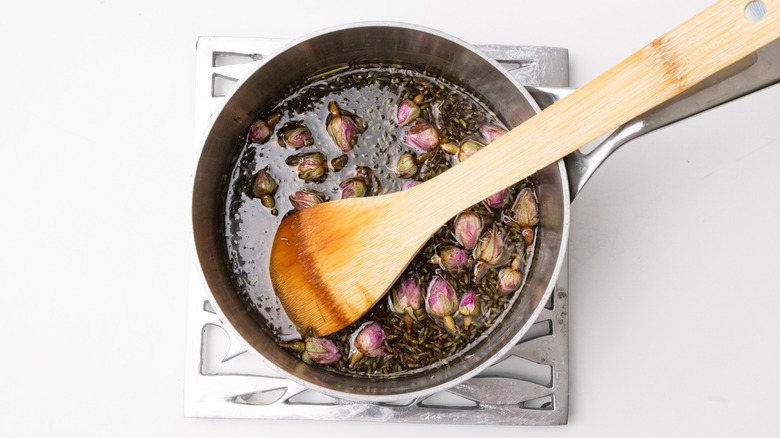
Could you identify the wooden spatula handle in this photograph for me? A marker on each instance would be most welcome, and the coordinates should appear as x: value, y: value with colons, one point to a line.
x: 703, y: 45
x: 332, y: 262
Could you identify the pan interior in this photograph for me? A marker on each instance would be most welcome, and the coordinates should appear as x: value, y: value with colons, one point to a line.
x: 416, y: 48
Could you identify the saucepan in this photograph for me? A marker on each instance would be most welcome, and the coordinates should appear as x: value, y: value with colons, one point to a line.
x: 433, y: 51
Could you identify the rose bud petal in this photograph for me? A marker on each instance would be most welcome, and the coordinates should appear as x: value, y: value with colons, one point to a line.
x: 453, y: 258
x: 491, y: 133
x: 407, y: 166
x: 508, y: 280
x: 367, y: 340
x: 469, y: 307
x: 441, y: 301
x: 342, y: 128
x: 497, y: 199
x: 409, y: 184
x: 467, y: 149
x: 353, y: 188
x: 408, y: 110
x: 263, y: 184
x: 321, y: 351
x: 491, y: 248
x: 422, y: 136
x: 526, y: 209
x: 298, y: 137
x: 259, y: 132
x: 468, y: 227
x: 306, y: 198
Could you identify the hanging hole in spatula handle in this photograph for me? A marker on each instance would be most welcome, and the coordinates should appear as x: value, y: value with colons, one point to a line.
x: 755, y: 11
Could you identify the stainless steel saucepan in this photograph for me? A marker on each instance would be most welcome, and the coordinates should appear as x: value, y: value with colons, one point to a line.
x: 435, y: 52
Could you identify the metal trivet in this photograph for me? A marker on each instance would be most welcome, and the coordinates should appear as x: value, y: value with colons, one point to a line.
x: 529, y: 386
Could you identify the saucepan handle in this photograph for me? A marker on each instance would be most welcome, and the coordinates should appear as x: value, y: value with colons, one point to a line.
x: 755, y: 72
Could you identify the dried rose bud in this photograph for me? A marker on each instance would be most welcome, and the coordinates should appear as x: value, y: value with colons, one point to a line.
x: 339, y: 162
x: 298, y: 137
x: 273, y: 119
x: 490, y: 248
x: 509, y: 280
x: 468, y: 227
x: 259, y: 132
x: 449, y: 148
x: 528, y: 236
x: 407, y: 166
x: 469, y: 307
x: 409, y: 184
x: 467, y: 149
x: 453, y: 258
x: 320, y: 350
x: 264, y: 184
x: 422, y: 136
x: 525, y: 209
x: 353, y: 188
x: 517, y: 262
x: 406, y: 298
x: 311, y: 166
x: 491, y: 133
x: 264, y: 187
x: 342, y: 128
x: 480, y: 269
x: 408, y: 110
x: 497, y: 199
x: 367, y: 340
x: 306, y: 198
x: 441, y: 301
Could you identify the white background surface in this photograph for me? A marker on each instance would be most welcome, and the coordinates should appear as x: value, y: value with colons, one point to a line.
x: 674, y: 245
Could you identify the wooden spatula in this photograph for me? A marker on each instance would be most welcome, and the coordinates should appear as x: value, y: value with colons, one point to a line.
x: 332, y: 262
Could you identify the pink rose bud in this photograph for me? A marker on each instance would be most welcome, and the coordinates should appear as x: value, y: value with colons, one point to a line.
x: 264, y: 184
x: 298, y: 137
x: 321, y: 351
x: 306, y: 198
x: 453, y: 258
x: 468, y: 227
x: 497, y: 199
x: 406, y: 299
x: 490, y: 248
x: 409, y: 184
x: 441, y: 301
x: 259, y: 132
x: 407, y: 112
x: 406, y: 296
x: 508, y: 280
x: 367, y: 340
x: 407, y: 166
x: 312, y: 166
x: 353, y: 188
x: 342, y: 128
x: 491, y: 133
x: 526, y: 209
x: 467, y: 149
x: 469, y: 307
x: 422, y: 136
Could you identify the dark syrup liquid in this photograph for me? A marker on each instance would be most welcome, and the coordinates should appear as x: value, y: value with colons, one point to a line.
x: 372, y: 95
